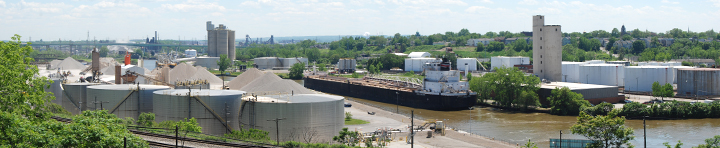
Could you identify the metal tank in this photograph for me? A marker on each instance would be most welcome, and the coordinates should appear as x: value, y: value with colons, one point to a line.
x: 471, y: 64
x: 301, y: 113
x: 215, y: 110
x: 698, y: 82
x: 74, y: 97
x: 231, y: 45
x: 57, y: 90
x: 641, y: 78
x: 123, y: 100
x: 222, y: 42
x: 571, y: 71
x: 209, y: 62
x: 602, y: 74
x: 675, y: 71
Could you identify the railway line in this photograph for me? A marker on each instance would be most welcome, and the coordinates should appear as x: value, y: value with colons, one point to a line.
x: 193, y: 140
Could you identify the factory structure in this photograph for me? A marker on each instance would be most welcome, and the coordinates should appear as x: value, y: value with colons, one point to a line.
x: 221, y: 40
x: 547, y: 50
x: 186, y: 91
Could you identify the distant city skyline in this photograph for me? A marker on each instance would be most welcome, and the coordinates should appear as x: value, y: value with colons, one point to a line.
x: 173, y: 19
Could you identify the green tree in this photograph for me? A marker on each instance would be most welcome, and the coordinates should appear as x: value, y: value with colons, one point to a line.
x: 520, y: 45
x: 350, y: 138
x: 146, y: 119
x: 627, y: 38
x: 508, y: 83
x: 223, y: 65
x: 608, y: 131
x: 615, y: 33
x: 22, y: 93
x: 713, y: 142
x: 527, y: 99
x: 638, y: 46
x: 678, y: 145
x: 565, y: 102
x: 296, y: 71
x: 662, y: 91
x: 104, y: 51
x: 529, y: 144
x: 480, y: 47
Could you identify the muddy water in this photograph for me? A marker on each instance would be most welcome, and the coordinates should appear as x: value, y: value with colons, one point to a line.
x: 515, y: 127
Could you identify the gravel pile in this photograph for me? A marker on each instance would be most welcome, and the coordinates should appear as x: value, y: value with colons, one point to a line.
x: 108, y: 70
x: 181, y: 72
x: 269, y: 82
x: 54, y: 63
x: 244, y: 78
x: 202, y: 74
x: 107, y: 62
x: 70, y: 63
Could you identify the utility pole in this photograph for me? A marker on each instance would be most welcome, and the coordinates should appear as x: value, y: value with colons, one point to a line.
x: 397, y: 103
x: 277, y: 129
x: 412, y: 131
x: 99, y: 102
x: 644, y: 133
x: 560, y: 139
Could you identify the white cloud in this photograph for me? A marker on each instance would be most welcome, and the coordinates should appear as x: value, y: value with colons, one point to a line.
x: 716, y: 3
x: 487, y: 1
x: 193, y: 6
x: 669, y: 2
x: 476, y: 9
x: 250, y: 3
x: 2, y: 3
x: 528, y: 2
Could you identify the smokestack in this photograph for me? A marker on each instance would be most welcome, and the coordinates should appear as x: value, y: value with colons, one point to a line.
x: 156, y: 37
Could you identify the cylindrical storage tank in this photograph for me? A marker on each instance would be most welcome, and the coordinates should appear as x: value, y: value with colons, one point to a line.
x: 57, y: 90
x: 602, y: 74
x: 641, y: 78
x: 698, y: 82
x: 123, y: 100
x: 222, y: 42
x: 571, y: 71
x: 304, y: 113
x: 75, y: 97
x: 213, y: 109
x: 231, y: 45
x: 675, y: 70
x: 208, y: 62
x: 212, y: 43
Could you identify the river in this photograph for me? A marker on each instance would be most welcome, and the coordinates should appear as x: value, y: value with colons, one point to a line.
x: 516, y: 127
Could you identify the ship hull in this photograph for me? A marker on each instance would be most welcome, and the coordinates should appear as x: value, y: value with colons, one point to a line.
x: 403, y: 98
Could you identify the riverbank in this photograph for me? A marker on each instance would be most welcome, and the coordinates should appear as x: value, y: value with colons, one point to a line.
x: 383, y: 119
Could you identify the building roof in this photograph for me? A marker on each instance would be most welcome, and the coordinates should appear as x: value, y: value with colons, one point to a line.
x: 573, y: 86
x: 419, y: 55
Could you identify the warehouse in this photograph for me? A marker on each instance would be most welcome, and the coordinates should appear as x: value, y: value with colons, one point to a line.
x: 215, y: 110
x: 602, y: 74
x: 595, y: 94
x: 501, y: 61
x: 698, y: 82
x: 301, y: 114
x: 641, y: 78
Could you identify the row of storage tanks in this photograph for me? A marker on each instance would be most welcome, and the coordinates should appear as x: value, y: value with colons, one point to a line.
x: 641, y: 78
x: 275, y: 62
x: 217, y: 111
x: 417, y: 64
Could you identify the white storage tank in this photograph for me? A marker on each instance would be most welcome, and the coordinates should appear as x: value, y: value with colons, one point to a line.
x: 75, y: 97
x: 417, y: 64
x: 209, y: 62
x: 124, y: 100
x: 571, y: 71
x: 641, y: 78
x: 266, y: 62
x: 215, y: 110
x: 190, y: 53
x: 698, y: 82
x: 304, y: 113
x: 471, y: 64
x: 602, y: 74
x: 501, y: 61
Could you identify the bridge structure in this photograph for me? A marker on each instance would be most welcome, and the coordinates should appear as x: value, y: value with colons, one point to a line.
x: 106, y: 44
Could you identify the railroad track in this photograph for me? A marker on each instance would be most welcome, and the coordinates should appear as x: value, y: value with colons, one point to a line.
x: 197, y: 140
x: 158, y: 144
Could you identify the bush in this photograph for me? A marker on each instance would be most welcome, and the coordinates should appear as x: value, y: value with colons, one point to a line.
x: 672, y: 109
x: 146, y: 119
x: 565, y: 102
x: 600, y: 109
x: 250, y: 134
x: 296, y: 71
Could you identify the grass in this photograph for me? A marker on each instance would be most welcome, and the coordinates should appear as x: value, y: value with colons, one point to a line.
x: 217, y: 72
x: 355, y: 122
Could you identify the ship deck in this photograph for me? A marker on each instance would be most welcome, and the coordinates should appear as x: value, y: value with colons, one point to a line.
x: 371, y: 82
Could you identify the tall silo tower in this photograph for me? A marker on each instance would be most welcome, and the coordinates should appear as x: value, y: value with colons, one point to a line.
x: 547, y: 50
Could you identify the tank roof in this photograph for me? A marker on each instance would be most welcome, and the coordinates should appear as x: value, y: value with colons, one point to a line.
x: 128, y: 86
x: 298, y: 98
x: 198, y: 92
x: 573, y: 86
x: 699, y: 69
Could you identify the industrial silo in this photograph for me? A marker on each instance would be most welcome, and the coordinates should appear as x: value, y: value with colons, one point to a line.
x: 698, y: 82
x: 222, y: 42
x: 675, y: 71
x: 74, y: 97
x: 125, y: 100
x: 641, y: 78
x: 301, y: 113
x: 602, y: 74
x: 215, y: 110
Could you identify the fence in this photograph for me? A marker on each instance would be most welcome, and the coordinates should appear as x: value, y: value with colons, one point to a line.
x: 569, y: 143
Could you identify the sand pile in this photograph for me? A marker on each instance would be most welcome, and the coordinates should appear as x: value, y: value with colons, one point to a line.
x: 108, y: 70
x: 70, y: 63
x: 54, y: 63
x: 181, y: 72
x: 107, y: 62
x: 202, y: 74
x: 244, y: 78
x: 269, y: 82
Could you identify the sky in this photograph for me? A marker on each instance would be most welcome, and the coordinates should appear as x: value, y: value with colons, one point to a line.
x: 185, y: 19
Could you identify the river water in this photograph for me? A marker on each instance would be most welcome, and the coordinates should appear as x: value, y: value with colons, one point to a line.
x: 514, y: 127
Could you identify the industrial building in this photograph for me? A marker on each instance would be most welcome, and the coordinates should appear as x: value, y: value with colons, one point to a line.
x: 417, y: 64
x: 300, y: 114
x: 595, y: 94
x: 419, y: 55
x: 216, y: 111
x: 470, y: 63
x: 125, y: 100
x: 654, y: 63
x: 278, y: 63
x: 346, y: 65
x: 501, y: 61
x: 602, y: 74
x: 221, y: 40
x: 641, y: 78
x: 547, y: 50
x: 698, y: 82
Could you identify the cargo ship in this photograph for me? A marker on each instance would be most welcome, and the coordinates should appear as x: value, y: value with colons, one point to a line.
x: 441, y: 90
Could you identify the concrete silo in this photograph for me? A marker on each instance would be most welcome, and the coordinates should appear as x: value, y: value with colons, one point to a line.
x: 215, y: 110
x: 301, y: 113
x: 125, y: 100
